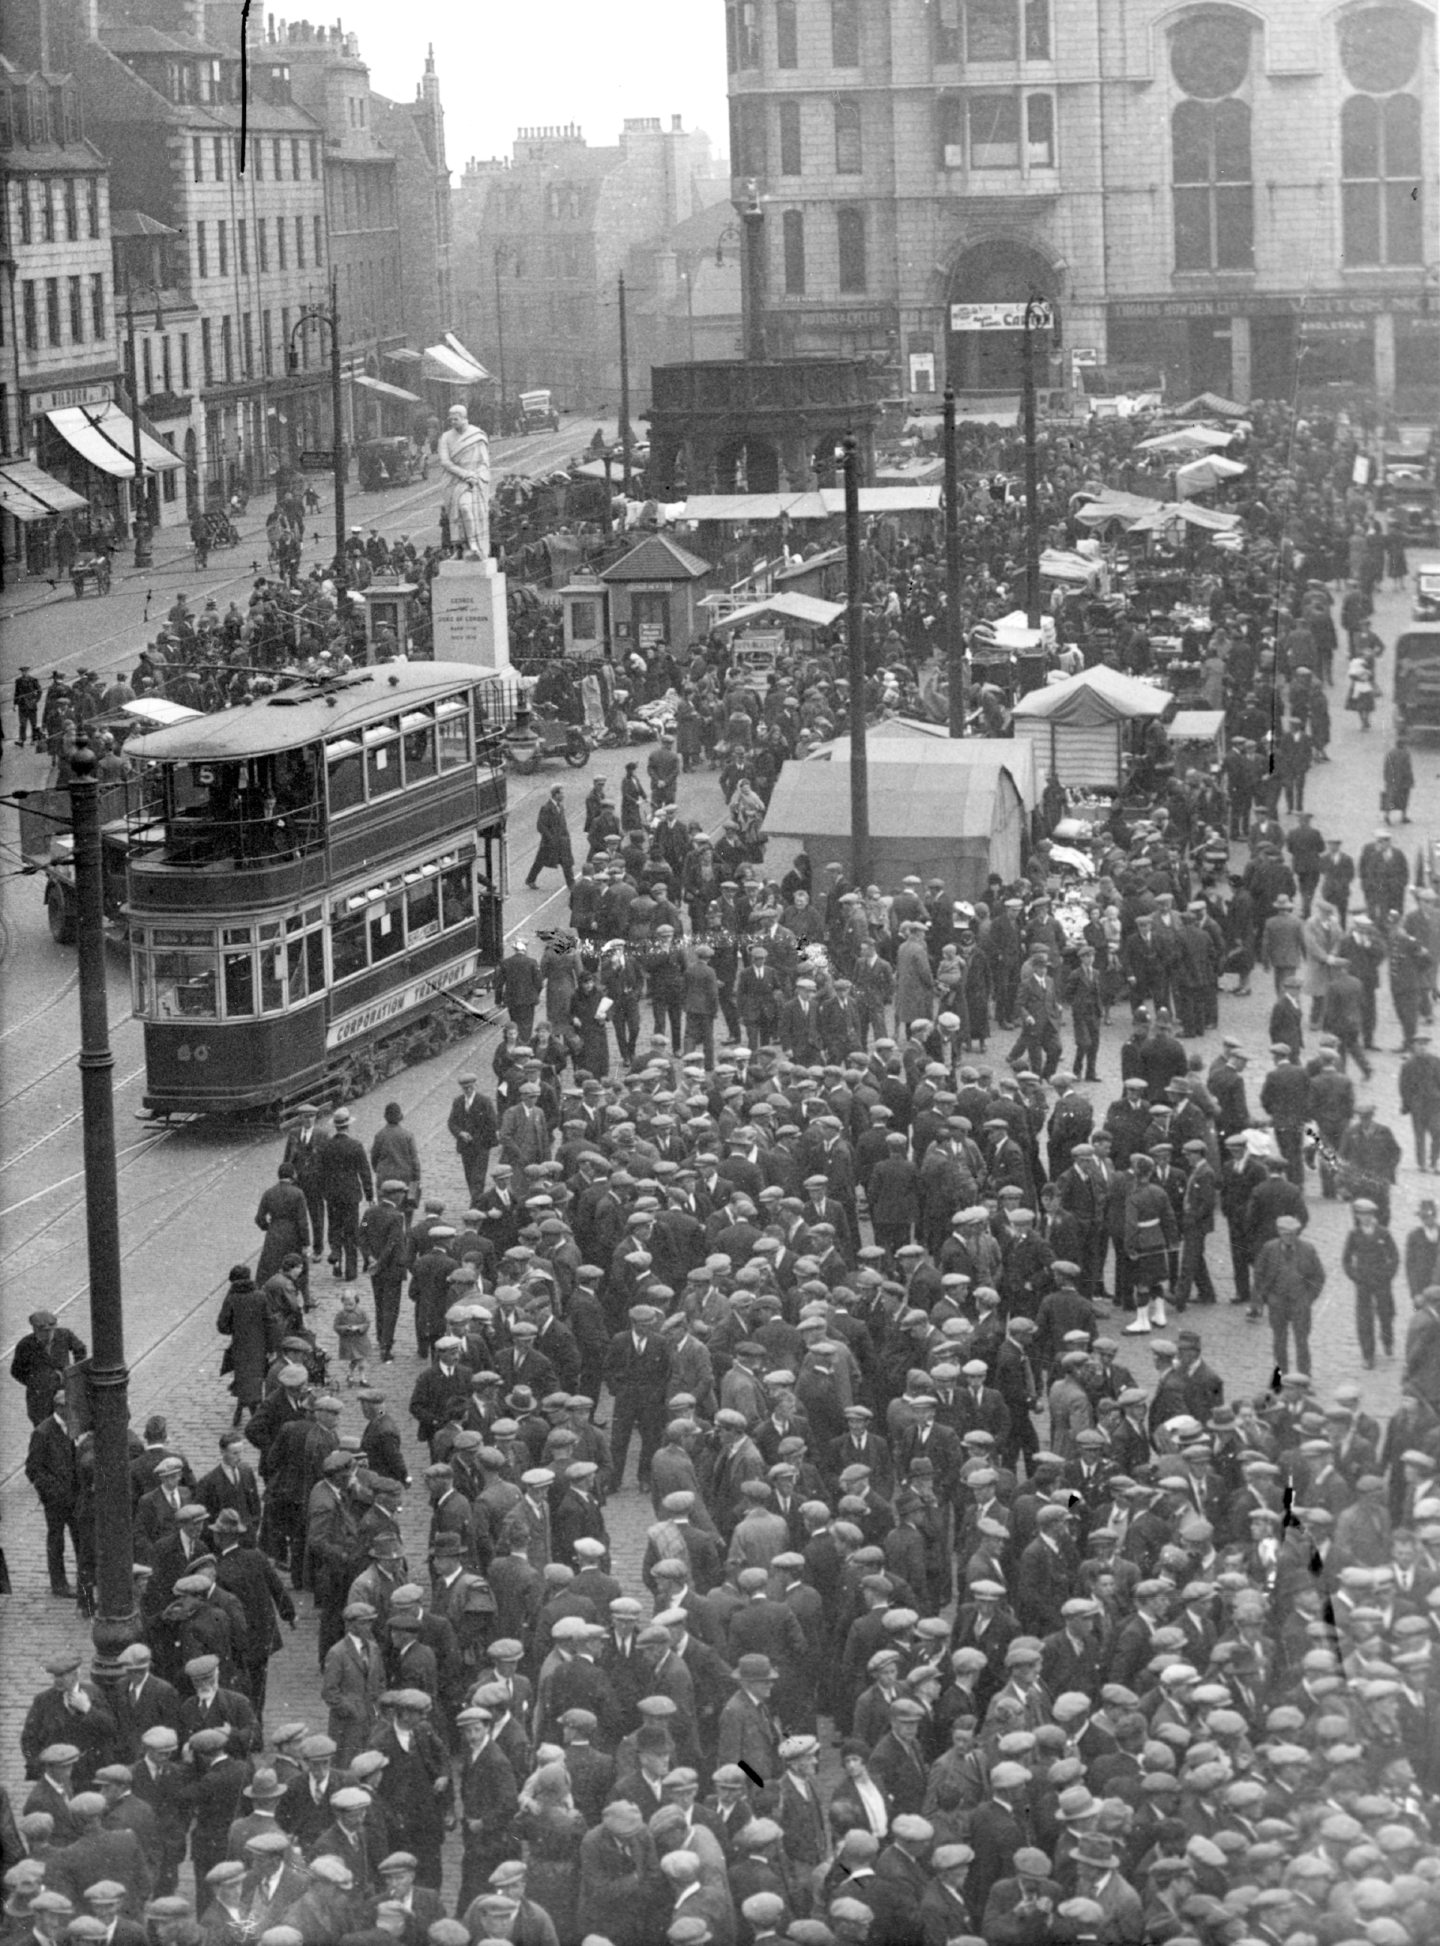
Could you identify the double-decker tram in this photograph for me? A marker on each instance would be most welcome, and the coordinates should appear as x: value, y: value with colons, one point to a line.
x: 310, y: 878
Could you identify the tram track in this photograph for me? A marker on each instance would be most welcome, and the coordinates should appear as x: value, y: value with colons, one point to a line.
x: 37, y: 1013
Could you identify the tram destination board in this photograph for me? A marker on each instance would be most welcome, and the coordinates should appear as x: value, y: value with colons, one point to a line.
x: 319, y: 459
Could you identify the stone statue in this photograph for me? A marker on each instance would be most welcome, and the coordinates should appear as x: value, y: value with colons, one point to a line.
x: 465, y: 459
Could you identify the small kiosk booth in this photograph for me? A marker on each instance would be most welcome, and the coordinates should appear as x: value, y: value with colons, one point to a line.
x: 387, y: 619
x: 585, y: 618
x: 655, y: 594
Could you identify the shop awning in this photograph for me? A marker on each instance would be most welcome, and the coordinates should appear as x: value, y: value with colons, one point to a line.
x: 28, y: 494
x: 402, y: 355
x: 396, y: 392
x: 451, y: 367
x: 104, y: 438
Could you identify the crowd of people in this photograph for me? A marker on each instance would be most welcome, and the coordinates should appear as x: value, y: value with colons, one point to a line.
x: 971, y: 1603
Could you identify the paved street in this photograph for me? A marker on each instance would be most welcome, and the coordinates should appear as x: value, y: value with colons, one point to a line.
x: 188, y: 1195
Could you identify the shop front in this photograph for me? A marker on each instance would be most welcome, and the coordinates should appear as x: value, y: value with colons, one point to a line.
x: 93, y: 448
x: 1337, y: 345
x: 36, y: 512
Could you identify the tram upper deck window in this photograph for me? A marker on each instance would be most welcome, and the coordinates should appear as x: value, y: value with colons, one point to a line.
x: 182, y: 983
x: 345, y: 767
x: 453, y: 722
x: 382, y: 759
x: 417, y: 734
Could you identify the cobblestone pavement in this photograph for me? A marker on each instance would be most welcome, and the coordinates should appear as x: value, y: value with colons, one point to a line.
x: 181, y: 1379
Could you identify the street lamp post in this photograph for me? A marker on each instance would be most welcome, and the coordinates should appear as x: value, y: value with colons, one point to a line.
x: 329, y: 317
x: 626, y: 436
x: 500, y: 332
x: 140, y: 524
x: 1035, y: 316
x: 855, y: 642
x: 116, y: 1623
x: 954, y: 637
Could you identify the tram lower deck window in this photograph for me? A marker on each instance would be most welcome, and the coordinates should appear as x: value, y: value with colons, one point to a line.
x: 347, y: 945
x: 457, y: 894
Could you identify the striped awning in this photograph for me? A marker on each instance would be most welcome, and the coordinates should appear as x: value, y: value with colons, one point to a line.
x: 28, y: 494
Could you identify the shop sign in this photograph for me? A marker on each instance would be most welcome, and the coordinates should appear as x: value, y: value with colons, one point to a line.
x: 98, y: 392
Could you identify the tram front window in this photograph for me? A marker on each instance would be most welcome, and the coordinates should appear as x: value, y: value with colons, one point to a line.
x: 182, y: 982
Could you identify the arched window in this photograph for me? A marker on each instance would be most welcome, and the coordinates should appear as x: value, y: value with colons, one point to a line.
x: 1214, y: 200
x: 850, y: 227
x: 792, y: 226
x: 1381, y: 192
x: 1210, y: 164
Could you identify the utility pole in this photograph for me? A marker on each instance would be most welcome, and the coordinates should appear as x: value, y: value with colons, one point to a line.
x: 500, y: 335
x: 116, y: 1623
x: 140, y: 524
x: 954, y: 636
x: 855, y: 642
x: 626, y: 437
x: 1034, y: 310
x: 337, y: 415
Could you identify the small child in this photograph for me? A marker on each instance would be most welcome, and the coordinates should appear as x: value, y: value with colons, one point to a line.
x: 352, y: 1327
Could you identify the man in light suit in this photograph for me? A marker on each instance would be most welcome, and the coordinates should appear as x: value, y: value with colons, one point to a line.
x: 351, y: 1683
x: 524, y: 1132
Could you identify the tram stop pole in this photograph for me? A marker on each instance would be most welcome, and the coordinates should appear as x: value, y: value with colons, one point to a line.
x: 116, y: 1623
x: 855, y: 642
x: 954, y: 634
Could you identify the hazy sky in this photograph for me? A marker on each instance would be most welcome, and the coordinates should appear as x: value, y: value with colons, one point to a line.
x: 524, y: 62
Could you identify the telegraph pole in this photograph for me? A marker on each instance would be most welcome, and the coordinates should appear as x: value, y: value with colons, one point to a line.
x: 339, y: 456
x: 116, y: 1622
x: 1033, y: 311
x: 855, y: 641
x: 954, y: 636
x: 626, y: 438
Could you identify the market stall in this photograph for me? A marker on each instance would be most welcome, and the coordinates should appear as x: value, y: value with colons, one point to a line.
x: 950, y: 810
x: 1078, y: 727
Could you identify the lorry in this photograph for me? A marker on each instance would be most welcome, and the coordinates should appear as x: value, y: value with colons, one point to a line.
x: 536, y: 413
x: 1407, y: 490
x: 1417, y: 681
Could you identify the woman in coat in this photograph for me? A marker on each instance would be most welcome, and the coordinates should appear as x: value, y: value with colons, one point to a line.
x: 247, y: 1321
x: 914, y: 981
x: 560, y: 968
x: 587, y: 1025
x: 394, y: 1156
x: 284, y: 1216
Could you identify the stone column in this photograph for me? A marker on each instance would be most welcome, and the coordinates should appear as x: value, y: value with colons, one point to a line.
x: 1385, y: 356
x: 1240, y: 363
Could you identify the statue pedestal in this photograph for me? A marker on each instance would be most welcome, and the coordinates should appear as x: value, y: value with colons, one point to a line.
x: 471, y: 623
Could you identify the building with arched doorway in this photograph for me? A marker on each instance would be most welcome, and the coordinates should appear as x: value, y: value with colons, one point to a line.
x: 1235, y: 195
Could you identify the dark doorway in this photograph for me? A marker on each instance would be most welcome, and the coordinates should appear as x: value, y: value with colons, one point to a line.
x: 999, y: 272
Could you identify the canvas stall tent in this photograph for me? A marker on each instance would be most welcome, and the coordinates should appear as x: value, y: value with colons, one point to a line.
x: 1077, y: 727
x: 895, y: 740
x: 946, y: 820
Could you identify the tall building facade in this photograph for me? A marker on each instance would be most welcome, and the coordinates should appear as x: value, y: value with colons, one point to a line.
x: 57, y: 310
x: 545, y: 235
x: 1236, y: 196
x: 331, y: 82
